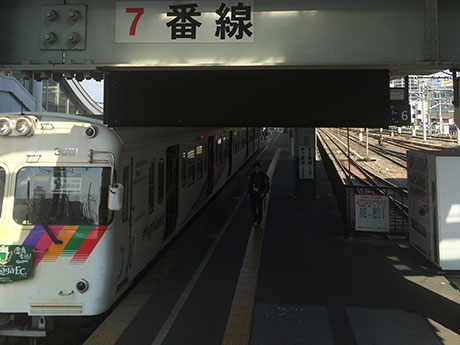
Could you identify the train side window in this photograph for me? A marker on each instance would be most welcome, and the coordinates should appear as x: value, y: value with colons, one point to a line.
x: 161, y: 180
x: 191, y: 167
x: 205, y: 153
x: 151, y: 190
x: 225, y: 150
x: 199, y: 162
x: 219, y: 151
x: 125, y: 209
x: 184, y: 169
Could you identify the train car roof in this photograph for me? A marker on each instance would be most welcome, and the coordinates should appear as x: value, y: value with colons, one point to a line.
x: 96, y: 119
x: 127, y: 134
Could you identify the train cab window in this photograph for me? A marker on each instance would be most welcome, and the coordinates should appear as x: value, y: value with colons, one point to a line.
x: 199, y: 162
x: 62, y: 196
x: 161, y: 180
x: 2, y: 188
x: 151, y: 190
x: 191, y: 167
x: 126, y: 184
x: 184, y: 169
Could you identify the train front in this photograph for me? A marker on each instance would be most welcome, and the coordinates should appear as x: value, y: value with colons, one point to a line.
x: 55, y: 239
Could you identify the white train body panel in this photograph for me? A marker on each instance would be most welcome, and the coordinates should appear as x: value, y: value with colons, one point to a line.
x: 166, y: 175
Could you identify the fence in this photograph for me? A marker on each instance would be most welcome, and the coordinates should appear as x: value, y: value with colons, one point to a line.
x: 345, y: 193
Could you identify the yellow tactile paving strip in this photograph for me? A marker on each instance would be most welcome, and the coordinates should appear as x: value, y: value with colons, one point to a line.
x: 110, y: 330
x: 239, y: 322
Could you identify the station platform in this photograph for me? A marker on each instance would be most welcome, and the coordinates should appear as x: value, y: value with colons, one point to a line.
x: 296, y: 281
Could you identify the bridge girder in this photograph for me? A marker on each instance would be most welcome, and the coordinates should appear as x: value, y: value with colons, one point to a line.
x: 403, y: 36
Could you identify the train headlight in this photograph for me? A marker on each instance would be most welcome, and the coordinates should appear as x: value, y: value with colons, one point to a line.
x: 82, y: 286
x: 5, y: 126
x: 91, y: 132
x: 23, y: 126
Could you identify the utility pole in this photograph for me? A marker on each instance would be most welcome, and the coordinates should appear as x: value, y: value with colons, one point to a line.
x: 348, y: 145
x: 428, y: 115
x: 441, y: 124
x: 423, y: 120
x: 367, y: 142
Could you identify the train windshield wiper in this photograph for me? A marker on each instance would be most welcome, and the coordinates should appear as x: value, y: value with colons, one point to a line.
x: 43, y: 218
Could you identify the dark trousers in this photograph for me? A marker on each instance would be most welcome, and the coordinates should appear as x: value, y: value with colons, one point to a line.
x: 256, y: 206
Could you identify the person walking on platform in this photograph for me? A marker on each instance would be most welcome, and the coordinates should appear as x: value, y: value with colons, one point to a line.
x: 258, y: 187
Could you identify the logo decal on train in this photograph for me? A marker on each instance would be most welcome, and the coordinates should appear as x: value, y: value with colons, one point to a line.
x: 152, y: 226
x: 5, y: 255
x: 78, y: 242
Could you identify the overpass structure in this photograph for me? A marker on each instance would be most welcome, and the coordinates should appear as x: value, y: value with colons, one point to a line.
x: 90, y: 38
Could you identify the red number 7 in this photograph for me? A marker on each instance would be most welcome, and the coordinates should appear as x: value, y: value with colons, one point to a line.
x: 140, y: 12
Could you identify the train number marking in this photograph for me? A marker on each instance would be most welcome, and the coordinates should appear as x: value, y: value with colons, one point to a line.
x: 139, y: 12
x: 66, y: 151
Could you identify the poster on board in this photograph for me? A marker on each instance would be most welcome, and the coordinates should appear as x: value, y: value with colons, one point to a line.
x: 372, y: 213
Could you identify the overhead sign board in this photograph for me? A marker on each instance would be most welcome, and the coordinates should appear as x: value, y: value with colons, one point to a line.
x: 184, y: 22
x: 247, y: 98
x: 372, y: 213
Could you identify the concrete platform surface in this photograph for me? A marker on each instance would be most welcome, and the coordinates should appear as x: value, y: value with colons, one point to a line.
x: 372, y: 291
x: 314, y: 287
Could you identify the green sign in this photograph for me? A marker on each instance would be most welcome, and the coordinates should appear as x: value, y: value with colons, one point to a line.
x: 16, y: 263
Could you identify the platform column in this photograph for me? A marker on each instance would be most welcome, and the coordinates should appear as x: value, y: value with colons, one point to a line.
x: 304, y: 153
x: 456, y: 82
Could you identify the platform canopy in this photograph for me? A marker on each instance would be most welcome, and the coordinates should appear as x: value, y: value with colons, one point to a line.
x: 56, y: 36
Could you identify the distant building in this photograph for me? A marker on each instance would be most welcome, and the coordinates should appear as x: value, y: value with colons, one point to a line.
x: 431, y: 95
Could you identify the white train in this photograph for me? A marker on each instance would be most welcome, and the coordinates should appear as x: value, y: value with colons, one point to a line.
x: 63, y: 252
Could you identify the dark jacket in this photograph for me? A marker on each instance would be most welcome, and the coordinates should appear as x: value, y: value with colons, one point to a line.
x: 258, y: 184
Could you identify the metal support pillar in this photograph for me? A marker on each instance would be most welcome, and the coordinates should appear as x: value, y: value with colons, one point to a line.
x: 305, y: 164
x: 37, y: 92
x: 456, y: 102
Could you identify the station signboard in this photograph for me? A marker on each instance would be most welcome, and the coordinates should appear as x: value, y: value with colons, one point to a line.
x: 372, y: 213
x: 400, y: 107
x: 184, y: 22
x: 306, y: 163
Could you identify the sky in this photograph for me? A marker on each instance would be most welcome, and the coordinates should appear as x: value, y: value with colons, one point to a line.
x: 95, y: 89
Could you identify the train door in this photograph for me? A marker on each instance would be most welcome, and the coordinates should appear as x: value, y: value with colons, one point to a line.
x: 172, y: 189
x: 230, y: 152
x: 126, y: 223
x: 210, y: 164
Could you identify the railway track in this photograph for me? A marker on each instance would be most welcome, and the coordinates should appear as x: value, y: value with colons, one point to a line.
x: 364, y: 181
x: 400, y: 143
x: 451, y: 139
x: 395, y: 157
x: 357, y: 175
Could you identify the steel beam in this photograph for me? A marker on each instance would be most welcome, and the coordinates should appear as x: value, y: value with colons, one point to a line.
x: 403, y: 36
